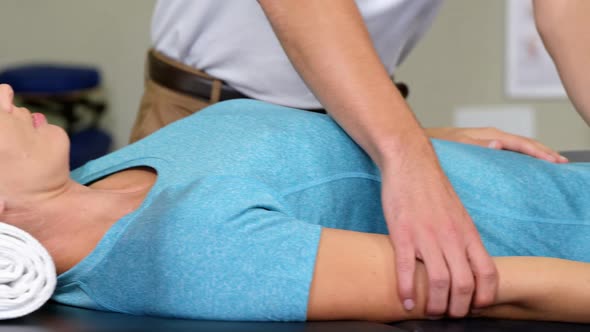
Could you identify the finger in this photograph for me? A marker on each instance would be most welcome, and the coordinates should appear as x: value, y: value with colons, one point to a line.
x: 486, y: 143
x: 462, y: 279
x: 528, y: 147
x: 6, y: 97
x: 486, y: 275
x: 558, y: 158
x: 502, y: 140
x: 405, y: 261
x: 531, y: 147
x: 438, y: 277
x: 494, y: 144
x: 520, y: 144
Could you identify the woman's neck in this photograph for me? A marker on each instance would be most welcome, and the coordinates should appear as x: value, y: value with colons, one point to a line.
x: 71, y: 223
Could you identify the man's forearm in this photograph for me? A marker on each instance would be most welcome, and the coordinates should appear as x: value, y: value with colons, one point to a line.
x: 331, y: 49
x: 329, y: 45
x: 564, y: 26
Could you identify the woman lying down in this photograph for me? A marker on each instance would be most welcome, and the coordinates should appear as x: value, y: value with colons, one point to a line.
x: 248, y: 211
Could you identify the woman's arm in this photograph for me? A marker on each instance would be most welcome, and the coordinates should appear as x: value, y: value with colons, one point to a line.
x: 541, y: 288
x: 355, y: 279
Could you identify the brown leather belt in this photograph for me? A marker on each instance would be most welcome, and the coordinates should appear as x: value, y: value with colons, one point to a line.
x: 202, y: 86
x: 186, y: 82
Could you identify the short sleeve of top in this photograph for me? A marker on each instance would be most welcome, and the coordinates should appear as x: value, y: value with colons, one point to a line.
x: 203, y: 250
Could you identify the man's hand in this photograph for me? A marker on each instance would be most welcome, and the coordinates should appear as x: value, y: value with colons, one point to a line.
x: 427, y: 221
x: 497, y: 139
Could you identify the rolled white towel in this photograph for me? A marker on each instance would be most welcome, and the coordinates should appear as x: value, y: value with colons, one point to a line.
x: 27, y: 273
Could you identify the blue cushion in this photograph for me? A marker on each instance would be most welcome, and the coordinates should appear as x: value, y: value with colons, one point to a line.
x: 88, y: 144
x: 50, y: 79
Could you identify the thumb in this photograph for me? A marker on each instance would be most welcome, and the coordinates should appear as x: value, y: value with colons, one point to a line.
x: 485, y: 143
x: 494, y: 144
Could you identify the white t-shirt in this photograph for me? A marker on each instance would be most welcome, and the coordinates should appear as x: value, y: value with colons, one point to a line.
x: 234, y: 41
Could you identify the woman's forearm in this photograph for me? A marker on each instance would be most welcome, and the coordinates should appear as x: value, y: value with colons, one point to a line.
x: 355, y: 279
x: 540, y: 288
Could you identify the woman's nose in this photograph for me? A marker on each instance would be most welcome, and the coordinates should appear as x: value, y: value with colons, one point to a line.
x: 6, y: 98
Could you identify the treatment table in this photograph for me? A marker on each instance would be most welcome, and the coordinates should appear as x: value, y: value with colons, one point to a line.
x: 56, y: 317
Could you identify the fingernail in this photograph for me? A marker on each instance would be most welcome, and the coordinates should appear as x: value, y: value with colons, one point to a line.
x: 564, y: 159
x: 493, y: 145
x: 409, y: 304
x: 551, y: 158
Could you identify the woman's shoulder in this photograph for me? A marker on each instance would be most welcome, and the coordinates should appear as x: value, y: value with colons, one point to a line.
x: 250, y: 112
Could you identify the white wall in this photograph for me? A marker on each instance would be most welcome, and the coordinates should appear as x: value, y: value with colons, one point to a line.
x: 461, y: 62
x: 110, y: 34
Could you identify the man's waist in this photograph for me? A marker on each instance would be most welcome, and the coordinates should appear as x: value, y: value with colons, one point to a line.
x: 196, y: 83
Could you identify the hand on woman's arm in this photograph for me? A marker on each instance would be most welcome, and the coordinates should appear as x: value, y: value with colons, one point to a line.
x: 496, y: 139
x: 564, y: 26
x: 331, y: 49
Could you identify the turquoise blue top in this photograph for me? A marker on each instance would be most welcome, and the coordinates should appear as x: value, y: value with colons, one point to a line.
x: 230, y: 229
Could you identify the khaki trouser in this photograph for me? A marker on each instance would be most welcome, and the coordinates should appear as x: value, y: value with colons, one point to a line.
x: 161, y: 106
